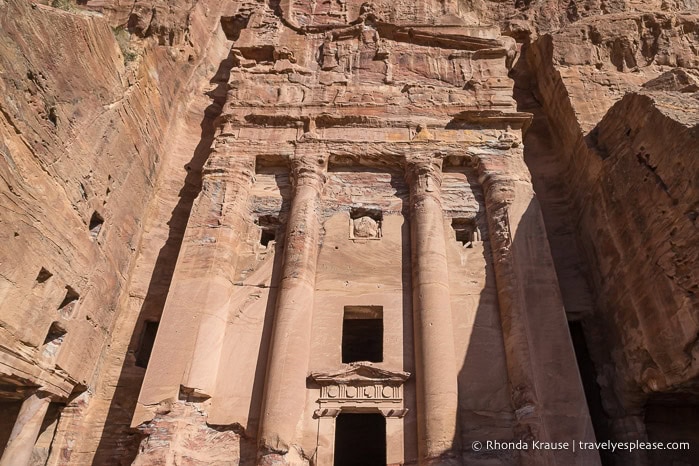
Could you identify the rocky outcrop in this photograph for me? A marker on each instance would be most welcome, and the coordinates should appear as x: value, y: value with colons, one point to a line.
x: 181, y: 431
x: 83, y: 131
x: 617, y: 103
x: 75, y: 170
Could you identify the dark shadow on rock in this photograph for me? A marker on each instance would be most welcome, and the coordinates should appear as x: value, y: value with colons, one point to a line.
x: 485, y: 408
x: 248, y: 444
x: 409, y: 389
x: 119, y: 443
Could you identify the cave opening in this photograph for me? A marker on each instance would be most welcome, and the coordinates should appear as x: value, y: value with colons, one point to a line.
x: 96, y: 222
x: 67, y: 306
x: 43, y: 276
x: 54, y: 340
x: 588, y: 374
x: 360, y: 440
x: 673, y: 418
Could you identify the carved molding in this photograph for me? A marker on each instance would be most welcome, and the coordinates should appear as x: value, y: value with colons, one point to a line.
x: 360, y: 373
x: 396, y: 413
x: 326, y: 412
x: 220, y: 164
x: 347, y: 392
x: 360, y: 386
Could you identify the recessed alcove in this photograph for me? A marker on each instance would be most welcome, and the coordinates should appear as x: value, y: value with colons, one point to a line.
x: 466, y: 231
x: 266, y: 237
x: 365, y: 223
x: 54, y: 339
x: 362, y: 334
x: 43, y: 275
x: 69, y: 301
x: 269, y: 226
x: 96, y: 222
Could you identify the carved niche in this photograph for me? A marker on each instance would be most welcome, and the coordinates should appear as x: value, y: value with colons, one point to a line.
x: 365, y: 223
x: 360, y: 387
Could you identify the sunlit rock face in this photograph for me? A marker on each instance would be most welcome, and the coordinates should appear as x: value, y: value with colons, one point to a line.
x: 323, y: 233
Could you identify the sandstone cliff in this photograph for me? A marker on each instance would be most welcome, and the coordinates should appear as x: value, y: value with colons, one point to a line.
x: 109, y: 111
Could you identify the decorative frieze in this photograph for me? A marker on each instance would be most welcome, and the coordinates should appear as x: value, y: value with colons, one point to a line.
x: 360, y: 387
x: 351, y: 393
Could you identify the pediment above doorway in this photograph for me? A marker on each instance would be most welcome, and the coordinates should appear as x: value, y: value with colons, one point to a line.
x: 359, y: 374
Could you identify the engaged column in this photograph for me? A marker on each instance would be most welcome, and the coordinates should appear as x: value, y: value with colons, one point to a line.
x: 285, y: 388
x: 436, y: 374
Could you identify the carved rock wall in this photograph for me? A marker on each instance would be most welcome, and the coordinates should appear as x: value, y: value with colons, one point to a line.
x: 104, y: 133
x: 611, y: 150
x: 84, y: 131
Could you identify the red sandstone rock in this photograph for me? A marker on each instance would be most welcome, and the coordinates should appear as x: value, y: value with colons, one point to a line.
x: 244, y: 178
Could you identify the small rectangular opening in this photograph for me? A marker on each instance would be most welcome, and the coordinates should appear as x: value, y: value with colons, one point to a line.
x: 54, y: 339
x: 96, y: 222
x: 267, y: 237
x: 466, y: 231
x: 150, y: 330
x: 68, y: 304
x: 362, y: 334
x: 268, y: 229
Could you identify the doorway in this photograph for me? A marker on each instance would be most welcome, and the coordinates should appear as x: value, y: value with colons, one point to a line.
x: 360, y: 440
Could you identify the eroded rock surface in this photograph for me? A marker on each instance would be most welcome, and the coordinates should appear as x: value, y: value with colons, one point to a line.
x: 616, y: 99
x: 251, y: 180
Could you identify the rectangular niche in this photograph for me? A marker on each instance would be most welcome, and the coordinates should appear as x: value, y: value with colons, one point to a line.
x: 54, y: 339
x: 466, y: 231
x: 365, y: 223
x: 269, y: 227
x: 362, y: 334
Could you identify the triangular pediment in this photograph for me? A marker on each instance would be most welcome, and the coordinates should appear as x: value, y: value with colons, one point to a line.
x: 360, y: 373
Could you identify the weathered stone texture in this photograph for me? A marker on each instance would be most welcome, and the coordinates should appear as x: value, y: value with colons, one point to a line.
x: 82, y: 133
x: 302, y: 95
x: 179, y: 434
x: 247, y: 177
x: 617, y: 99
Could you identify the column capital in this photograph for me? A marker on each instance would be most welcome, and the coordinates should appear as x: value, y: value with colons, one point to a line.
x: 423, y: 171
x: 309, y: 165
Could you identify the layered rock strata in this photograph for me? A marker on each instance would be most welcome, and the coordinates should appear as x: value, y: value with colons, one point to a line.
x: 617, y: 103
x: 263, y: 185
